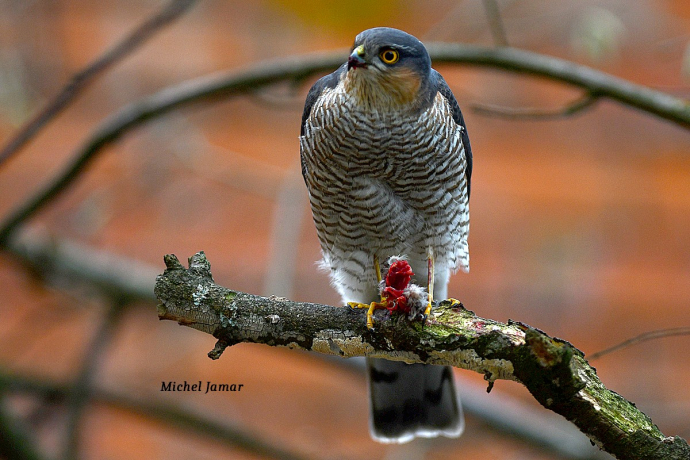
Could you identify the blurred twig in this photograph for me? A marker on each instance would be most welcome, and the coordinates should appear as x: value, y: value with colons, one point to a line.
x: 190, y: 421
x: 493, y: 16
x: 651, y: 335
x: 86, y: 76
x: 288, y: 216
x: 135, y: 114
x: 594, y: 82
x: 80, y: 393
x: 15, y: 441
x: 598, y: 84
x: 290, y: 102
x: 62, y: 261
x: 578, y: 105
x: 157, y: 409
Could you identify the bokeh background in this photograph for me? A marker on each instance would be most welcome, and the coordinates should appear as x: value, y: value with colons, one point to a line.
x: 579, y: 227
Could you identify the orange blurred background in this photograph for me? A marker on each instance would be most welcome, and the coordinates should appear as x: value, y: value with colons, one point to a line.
x: 580, y: 226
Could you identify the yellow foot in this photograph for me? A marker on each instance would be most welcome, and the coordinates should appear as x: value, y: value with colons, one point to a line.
x: 370, y: 312
x: 451, y: 300
x: 428, y: 310
x: 454, y: 301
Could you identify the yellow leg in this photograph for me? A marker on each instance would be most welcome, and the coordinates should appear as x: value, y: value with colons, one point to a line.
x: 430, y: 279
x: 377, y: 267
x: 373, y: 305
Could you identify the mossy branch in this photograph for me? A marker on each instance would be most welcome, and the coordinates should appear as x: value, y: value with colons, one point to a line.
x: 555, y: 372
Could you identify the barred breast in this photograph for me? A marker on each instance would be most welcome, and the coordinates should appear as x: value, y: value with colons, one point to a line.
x: 385, y: 183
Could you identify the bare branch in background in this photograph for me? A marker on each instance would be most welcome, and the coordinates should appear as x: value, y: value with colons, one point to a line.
x: 157, y: 409
x: 156, y: 105
x: 493, y: 16
x: 82, y: 79
x: 596, y: 83
x: 577, y: 106
x: 288, y: 102
x: 80, y: 393
x: 62, y: 262
x: 555, y: 372
x: 15, y: 441
x: 651, y: 335
x: 288, y: 217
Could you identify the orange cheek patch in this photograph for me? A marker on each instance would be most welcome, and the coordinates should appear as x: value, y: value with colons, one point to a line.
x: 404, y: 84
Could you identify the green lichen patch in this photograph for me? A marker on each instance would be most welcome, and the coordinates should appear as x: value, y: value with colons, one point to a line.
x: 623, y: 414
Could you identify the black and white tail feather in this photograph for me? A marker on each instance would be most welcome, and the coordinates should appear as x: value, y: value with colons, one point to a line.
x: 413, y: 400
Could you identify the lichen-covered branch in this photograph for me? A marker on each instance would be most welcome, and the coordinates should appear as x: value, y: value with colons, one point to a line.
x: 554, y: 371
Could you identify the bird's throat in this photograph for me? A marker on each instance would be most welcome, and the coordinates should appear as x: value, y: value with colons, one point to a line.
x: 380, y: 91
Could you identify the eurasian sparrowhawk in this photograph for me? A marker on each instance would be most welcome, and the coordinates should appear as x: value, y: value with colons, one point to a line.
x: 387, y: 163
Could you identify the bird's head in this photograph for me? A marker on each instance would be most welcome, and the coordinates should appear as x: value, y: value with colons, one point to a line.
x: 388, y: 68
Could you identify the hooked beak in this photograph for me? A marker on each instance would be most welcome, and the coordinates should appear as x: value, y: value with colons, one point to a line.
x: 356, y: 59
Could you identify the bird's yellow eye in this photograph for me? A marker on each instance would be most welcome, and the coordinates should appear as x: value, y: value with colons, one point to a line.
x: 389, y: 56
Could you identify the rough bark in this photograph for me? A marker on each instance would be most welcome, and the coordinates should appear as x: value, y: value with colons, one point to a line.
x: 554, y: 371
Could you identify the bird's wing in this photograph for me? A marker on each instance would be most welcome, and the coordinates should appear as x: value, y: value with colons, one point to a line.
x: 446, y: 92
x: 328, y: 81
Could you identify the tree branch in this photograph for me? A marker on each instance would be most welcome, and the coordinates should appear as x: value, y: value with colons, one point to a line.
x: 156, y: 105
x: 555, y: 372
x: 81, y: 392
x: 651, y: 335
x: 152, y: 407
x: 15, y: 441
x: 82, y: 79
x: 578, y: 105
x: 66, y: 263
x: 597, y: 83
x: 493, y: 16
x: 296, y: 69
